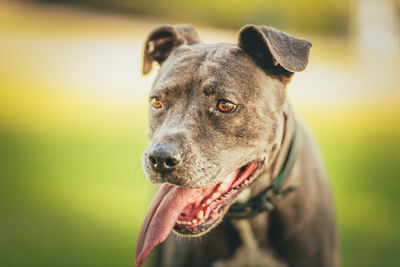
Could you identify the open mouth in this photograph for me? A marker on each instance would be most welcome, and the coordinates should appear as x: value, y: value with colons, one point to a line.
x: 190, y: 211
x: 208, y: 205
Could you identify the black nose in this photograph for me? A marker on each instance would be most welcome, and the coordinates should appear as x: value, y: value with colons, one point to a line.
x: 162, y: 159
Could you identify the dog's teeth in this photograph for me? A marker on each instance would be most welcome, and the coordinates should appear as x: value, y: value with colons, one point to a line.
x: 207, y: 212
x: 216, y: 195
x: 223, y: 187
x: 203, y: 205
x: 246, y: 181
x: 189, y: 223
x: 208, y: 202
x: 237, y: 187
x: 194, y: 221
x: 200, y: 215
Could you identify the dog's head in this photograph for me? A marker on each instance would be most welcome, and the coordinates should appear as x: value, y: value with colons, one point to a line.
x: 216, y: 113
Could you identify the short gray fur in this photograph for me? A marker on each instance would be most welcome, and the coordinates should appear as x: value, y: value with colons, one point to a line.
x: 193, y: 77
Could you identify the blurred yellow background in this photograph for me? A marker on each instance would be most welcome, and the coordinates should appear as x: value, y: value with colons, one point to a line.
x: 73, y: 119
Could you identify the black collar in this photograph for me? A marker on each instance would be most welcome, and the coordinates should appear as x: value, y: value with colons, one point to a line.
x: 266, y: 200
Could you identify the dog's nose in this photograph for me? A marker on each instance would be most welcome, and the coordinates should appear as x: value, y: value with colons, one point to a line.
x: 162, y: 159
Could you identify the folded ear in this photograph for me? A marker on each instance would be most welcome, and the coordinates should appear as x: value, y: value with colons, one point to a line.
x: 162, y: 40
x: 276, y: 52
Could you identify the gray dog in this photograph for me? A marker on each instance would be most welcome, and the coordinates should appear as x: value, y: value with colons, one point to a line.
x: 235, y: 165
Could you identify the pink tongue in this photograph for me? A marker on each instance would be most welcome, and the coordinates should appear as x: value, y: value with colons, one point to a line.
x: 164, y: 210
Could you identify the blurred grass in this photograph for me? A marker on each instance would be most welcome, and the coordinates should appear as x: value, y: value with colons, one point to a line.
x: 71, y: 134
x: 324, y: 17
x: 361, y: 151
x: 70, y: 200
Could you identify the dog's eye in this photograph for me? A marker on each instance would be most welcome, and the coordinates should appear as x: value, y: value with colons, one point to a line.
x: 225, y: 106
x: 156, y: 103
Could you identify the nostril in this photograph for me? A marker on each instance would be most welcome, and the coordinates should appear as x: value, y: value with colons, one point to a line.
x: 169, y: 162
x: 162, y: 159
x: 153, y: 160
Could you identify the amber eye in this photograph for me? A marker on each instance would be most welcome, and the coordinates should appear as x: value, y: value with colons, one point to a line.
x: 156, y: 103
x: 225, y: 106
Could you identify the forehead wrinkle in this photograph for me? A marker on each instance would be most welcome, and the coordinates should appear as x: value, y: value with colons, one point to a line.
x: 170, y: 88
x: 222, y: 90
x: 220, y: 78
x: 209, y: 87
x: 165, y: 88
x: 215, y: 73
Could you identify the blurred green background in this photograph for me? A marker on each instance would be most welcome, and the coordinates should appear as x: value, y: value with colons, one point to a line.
x: 73, y: 119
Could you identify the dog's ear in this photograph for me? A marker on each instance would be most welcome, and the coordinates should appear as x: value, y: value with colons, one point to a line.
x: 162, y: 40
x: 276, y: 52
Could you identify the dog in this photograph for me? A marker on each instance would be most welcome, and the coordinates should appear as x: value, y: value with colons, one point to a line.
x: 236, y: 166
